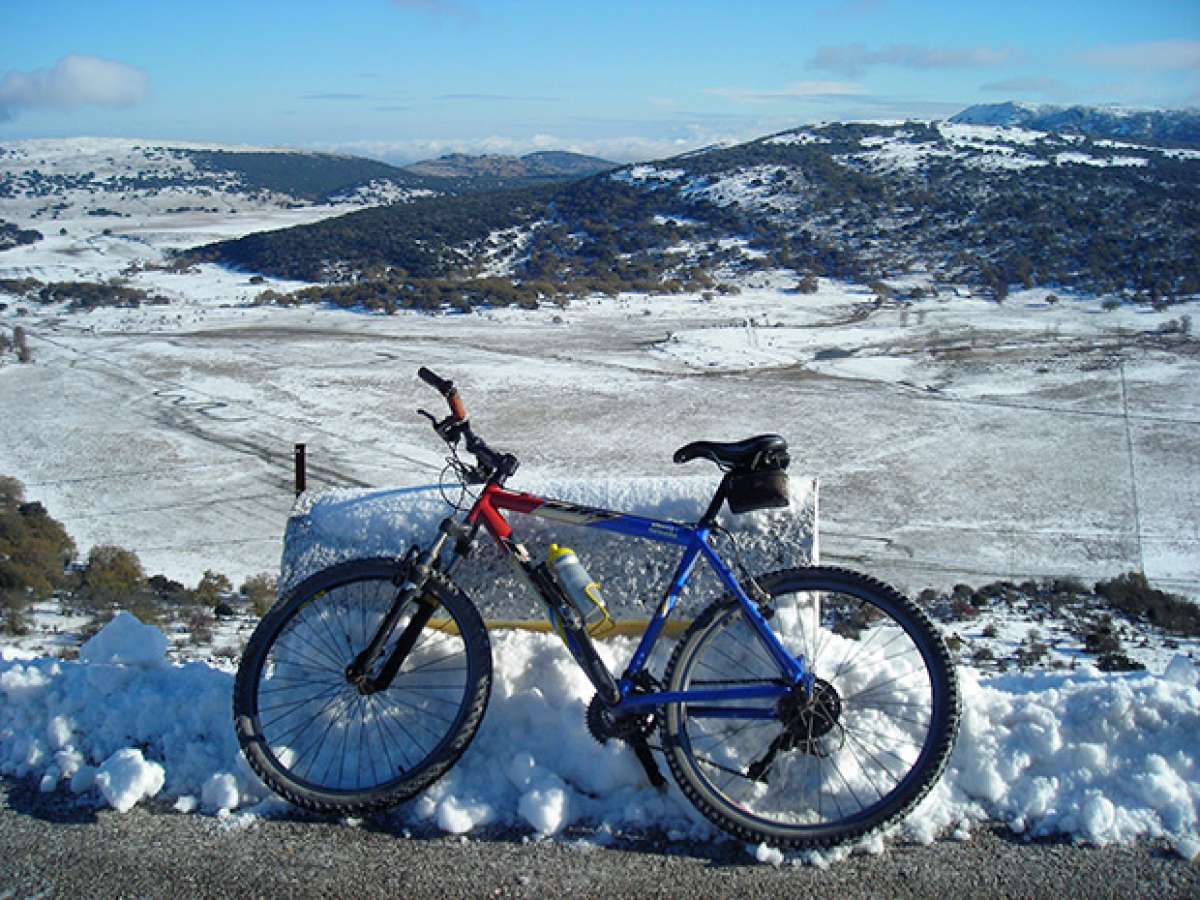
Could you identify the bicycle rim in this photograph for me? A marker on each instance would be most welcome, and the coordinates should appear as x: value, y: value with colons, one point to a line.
x: 318, y: 736
x: 813, y: 770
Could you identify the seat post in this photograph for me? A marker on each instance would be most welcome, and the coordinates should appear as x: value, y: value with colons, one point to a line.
x: 714, y: 507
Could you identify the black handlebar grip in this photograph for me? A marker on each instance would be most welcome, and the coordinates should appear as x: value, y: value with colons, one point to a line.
x: 441, y: 385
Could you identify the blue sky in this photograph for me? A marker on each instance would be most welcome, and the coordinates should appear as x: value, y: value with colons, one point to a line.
x: 409, y: 79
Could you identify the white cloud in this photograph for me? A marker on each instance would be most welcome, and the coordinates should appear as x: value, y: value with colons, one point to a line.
x: 851, y: 59
x: 618, y: 148
x: 1028, y: 84
x: 798, y: 90
x: 1171, y: 55
x: 74, y: 81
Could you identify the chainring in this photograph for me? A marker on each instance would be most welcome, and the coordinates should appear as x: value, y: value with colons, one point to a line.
x: 604, y: 726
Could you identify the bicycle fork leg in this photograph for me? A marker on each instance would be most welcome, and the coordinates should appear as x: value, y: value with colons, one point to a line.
x: 413, y: 587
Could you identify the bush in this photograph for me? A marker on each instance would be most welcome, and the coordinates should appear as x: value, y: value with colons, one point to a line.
x: 1132, y: 594
x: 200, y: 627
x: 211, y: 588
x: 808, y: 284
x: 1102, y: 638
x: 113, y: 577
x: 33, y: 546
x: 1118, y: 662
x: 260, y: 591
x: 14, y: 613
x: 145, y: 606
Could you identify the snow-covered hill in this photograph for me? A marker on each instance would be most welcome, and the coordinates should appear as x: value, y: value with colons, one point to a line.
x: 47, y: 182
x: 1170, y: 127
x: 996, y: 206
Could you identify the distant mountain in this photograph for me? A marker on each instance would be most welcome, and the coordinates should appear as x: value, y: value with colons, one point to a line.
x: 991, y: 206
x: 1179, y: 128
x: 119, y: 178
x: 547, y: 164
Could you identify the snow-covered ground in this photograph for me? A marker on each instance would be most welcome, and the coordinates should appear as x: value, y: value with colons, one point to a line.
x: 1101, y: 758
x: 954, y: 439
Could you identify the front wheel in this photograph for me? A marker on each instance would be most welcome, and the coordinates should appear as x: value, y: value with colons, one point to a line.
x: 319, y: 742
x: 818, y: 768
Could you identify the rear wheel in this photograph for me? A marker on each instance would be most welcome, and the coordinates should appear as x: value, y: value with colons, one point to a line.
x: 820, y: 768
x: 318, y: 741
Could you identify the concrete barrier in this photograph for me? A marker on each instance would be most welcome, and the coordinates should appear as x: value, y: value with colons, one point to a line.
x: 335, y: 526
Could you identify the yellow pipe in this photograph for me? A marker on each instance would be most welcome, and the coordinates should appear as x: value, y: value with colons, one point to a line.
x: 634, y: 628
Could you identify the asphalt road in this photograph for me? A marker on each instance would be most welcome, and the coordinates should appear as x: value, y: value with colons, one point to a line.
x: 56, y: 846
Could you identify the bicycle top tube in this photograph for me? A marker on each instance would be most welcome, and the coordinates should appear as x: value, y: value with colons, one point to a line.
x: 494, y: 498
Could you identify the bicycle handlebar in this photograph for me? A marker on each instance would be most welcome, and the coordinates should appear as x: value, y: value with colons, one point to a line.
x: 447, y: 389
x: 493, y: 463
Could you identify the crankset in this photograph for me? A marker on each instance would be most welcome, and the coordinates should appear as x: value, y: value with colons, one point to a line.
x: 606, y: 724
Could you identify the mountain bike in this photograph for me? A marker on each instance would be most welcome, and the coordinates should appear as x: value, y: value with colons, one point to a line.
x: 804, y: 708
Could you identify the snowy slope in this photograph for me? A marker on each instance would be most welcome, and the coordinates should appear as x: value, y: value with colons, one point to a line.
x: 102, y: 181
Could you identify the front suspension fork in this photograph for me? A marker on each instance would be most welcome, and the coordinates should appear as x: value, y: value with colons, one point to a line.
x: 412, y: 582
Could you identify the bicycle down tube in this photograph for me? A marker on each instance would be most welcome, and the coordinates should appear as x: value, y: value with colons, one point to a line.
x: 695, y: 543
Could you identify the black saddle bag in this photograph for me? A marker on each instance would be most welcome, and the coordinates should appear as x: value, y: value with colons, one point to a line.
x: 764, y: 485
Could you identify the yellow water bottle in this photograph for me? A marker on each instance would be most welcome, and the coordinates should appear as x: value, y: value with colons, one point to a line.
x: 581, y: 590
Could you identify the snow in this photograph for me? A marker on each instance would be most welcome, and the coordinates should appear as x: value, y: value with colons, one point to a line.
x: 897, y: 406
x: 1072, y: 157
x: 126, y: 641
x: 126, y: 778
x: 973, y: 135
x: 1099, y: 758
x: 797, y: 137
x: 642, y: 174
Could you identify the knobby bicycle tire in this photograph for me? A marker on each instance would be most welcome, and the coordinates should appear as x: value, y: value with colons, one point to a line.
x: 814, y: 770
x: 319, y: 743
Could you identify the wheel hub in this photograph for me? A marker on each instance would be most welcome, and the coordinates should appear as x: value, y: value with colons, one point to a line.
x: 808, y: 717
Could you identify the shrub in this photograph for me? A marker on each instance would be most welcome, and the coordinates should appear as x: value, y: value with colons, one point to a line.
x: 200, y: 627
x: 146, y: 608
x: 211, y: 588
x: 260, y: 591
x: 33, y: 546
x: 1101, y: 638
x: 1132, y: 594
x: 113, y: 577
x: 1118, y: 662
x: 14, y: 613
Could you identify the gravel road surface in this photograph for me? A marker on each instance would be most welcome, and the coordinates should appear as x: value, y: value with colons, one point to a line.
x: 56, y: 846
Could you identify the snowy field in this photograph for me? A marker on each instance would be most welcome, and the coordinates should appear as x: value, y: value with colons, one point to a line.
x: 954, y: 439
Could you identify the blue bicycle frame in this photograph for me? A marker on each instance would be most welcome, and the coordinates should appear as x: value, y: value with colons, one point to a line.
x: 694, y: 539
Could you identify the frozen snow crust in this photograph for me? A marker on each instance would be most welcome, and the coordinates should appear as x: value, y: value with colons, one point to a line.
x: 336, y: 526
x: 1103, y: 758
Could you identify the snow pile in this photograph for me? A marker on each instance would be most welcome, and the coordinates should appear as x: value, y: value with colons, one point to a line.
x: 122, y: 720
x: 1104, y: 758
x: 126, y: 640
x: 335, y: 526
